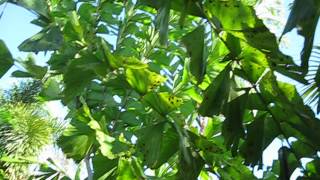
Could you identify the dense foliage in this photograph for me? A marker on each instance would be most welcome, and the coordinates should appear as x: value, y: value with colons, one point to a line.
x: 163, y: 89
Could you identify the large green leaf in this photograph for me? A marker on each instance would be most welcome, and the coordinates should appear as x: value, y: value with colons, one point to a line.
x: 232, y: 128
x: 126, y: 170
x: 76, y: 140
x: 6, y: 60
x: 216, y: 94
x: 162, y: 21
x: 252, y: 148
x: 190, y: 164
x: 48, y: 39
x: 296, y: 119
x: 235, y: 168
x: 233, y: 14
x: 32, y: 69
x: 104, y: 168
x: 158, y: 143
x: 110, y: 147
x: 265, y: 47
x: 253, y: 63
x: 51, y: 90
x: 80, y: 72
x: 40, y: 7
x: 196, y: 48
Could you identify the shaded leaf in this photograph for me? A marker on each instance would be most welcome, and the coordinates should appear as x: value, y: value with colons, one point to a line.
x: 196, y: 48
x: 162, y: 21
x: 216, y: 94
x: 232, y: 128
x: 40, y: 7
x: 104, y: 168
x: 190, y: 164
x: 6, y: 60
x: 76, y: 140
x: 158, y: 143
x: 48, y: 39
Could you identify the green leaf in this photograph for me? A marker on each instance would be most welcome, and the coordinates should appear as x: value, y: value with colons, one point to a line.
x: 158, y: 143
x: 178, y: 5
x: 50, y: 90
x: 235, y: 168
x: 313, y: 169
x: 253, y: 146
x: 104, y: 168
x: 190, y: 164
x: 253, y: 63
x: 162, y: 21
x: 79, y: 74
x: 32, y: 70
x: 6, y: 60
x: 302, y: 149
x: 266, y: 49
x: 232, y: 128
x: 40, y: 7
x: 126, y: 62
x: 76, y: 140
x: 125, y: 170
x: 110, y: 147
x: 196, y: 48
x: 216, y: 94
x: 49, y: 39
x: 77, y: 176
x: 21, y: 74
x: 86, y: 12
x: 233, y: 15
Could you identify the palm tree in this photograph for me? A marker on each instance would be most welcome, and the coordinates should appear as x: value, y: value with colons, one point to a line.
x: 24, y: 130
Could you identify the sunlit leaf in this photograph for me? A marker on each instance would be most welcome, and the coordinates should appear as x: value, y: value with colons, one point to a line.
x: 162, y: 102
x: 143, y: 80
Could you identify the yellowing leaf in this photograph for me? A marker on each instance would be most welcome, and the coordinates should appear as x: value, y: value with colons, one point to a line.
x: 162, y: 102
x: 143, y: 80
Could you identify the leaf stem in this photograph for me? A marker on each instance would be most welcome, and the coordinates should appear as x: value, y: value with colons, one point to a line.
x: 88, y: 166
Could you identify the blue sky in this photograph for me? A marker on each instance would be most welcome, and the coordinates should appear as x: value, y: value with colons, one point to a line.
x: 15, y: 28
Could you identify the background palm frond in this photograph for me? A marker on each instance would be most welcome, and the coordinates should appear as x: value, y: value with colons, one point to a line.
x: 311, y: 92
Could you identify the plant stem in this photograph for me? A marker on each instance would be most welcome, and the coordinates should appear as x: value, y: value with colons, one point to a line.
x: 88, y: 166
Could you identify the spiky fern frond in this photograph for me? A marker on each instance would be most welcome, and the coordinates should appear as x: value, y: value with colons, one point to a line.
x: 24, y: 130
